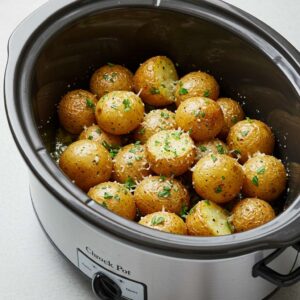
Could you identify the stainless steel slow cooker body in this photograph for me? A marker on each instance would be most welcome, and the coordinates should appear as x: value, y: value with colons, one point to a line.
x: 58, y: 47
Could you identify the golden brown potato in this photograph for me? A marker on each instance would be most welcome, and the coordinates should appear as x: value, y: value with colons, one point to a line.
x: 87, y: 163
x: 170, y: 152
x: 214, y: 146
x: 115, y: 197
x: 155, y: 81
x: 265, y: 177
x: 111, y: 78
x: 218, y: 178
x: 201, y: 116
x: 164, y: 221
x: 248, y: 137
x: 196, y: 84
x: 232, y: 112
x: 119, y: 112
x: 250, y: 213
x: 156, y: 193
x: 131, y: 162
x: 208, y: 219
x: 155, y: 121
x: 77, y: 110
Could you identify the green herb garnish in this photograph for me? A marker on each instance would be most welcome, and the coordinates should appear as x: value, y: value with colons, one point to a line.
x: 103, y: 204
x: 202, y: 148
x: 234, y: 119
x: 244, y: 133
x: 218, y: 189
x: 207, y: 202
x: 90, y: 103
x: 141, y: 131
x: 213, y: 157
x: 261, y: 170
x: 184, y: 211
x: 176, y: 134
x: 162, y: 178
x: 107, y: 195
x: 220, y: 149
x: 183, y: 91
x: 255, y: 180
x: 117, y: 197
x: 127, y: 105
x: 164, y: 115
x: 110, y: 64
x: 154, y: 91
x: 156, y: 220
x: 129, y: 183
x: 206, y: 93
x: 166, y: 192
x: 90, y: 137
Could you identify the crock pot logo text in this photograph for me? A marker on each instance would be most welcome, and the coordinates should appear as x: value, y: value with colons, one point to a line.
x: 107, y: 262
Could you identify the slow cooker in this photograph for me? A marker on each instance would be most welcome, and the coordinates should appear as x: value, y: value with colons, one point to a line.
x: 58, y: 47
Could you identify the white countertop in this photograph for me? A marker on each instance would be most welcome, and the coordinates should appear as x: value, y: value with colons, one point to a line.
x: 30, y: 268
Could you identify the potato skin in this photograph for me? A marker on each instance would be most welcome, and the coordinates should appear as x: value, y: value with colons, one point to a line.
x: 155, y: 80
x: 155, y: 121
x: 157, y: 193
x: 115, y: 197
x: 119, y: 112
x: 250, y: 213
x: 265, y: 177
x: 201, y: 116
x: 250, y: 136
x: 196, y: 84
x: 218, y: 178
x: 131, y: 162
x: 111, y: 78
x: 170, y: 152
x: 87, y: 163
x: 232, y: 112
x: 164, y: 221
x: 214, y: 146
x: 77, y: 110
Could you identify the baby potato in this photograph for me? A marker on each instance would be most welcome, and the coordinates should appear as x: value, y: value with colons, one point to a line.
x: 77, y: 110
x: 155, y: 81
x: 164, y: 221
x: 218, y: 178
x: 201, y: 116
x: 111, y: 78
x: 156, y: 193
x: 207, y: 219
x: 87, y: 163
x: 131, y: 162
x: 119, y: 112
x: 155, y: 121
x: 170, y: 152
x: 196, y: 84
x: 250, y: 213
x: 265, y: 177
x: 232, y: 112
x: 214, y: 146
x: 115, y: 197
x: 248, y: 137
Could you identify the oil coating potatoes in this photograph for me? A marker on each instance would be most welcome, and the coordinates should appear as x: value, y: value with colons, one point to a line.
x: 131, y: 162
x: 265, y: 177
x: 157, y: 193
x: 164, y: 221
x: 155, y: 121
x: 251, y: 213
x: 119, y: 112
x: 77, y: 110
x: 155, y: 81
x: 214, y: 146
x: 201, y: 116
x: 218, y: 178
x: 170, y: 152
x: 196, y: 84
x: 87, y: 163
x: 208, y: 219
x: 115, y: 197
x: 248, y: 137
x: 111, y: 78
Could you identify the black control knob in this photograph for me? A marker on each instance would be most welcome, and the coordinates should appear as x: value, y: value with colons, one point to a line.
x: 105, y: 288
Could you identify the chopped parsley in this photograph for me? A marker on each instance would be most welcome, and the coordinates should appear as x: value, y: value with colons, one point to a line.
x: 236, y: 152
x: 127, y: 105
x: 162, y: 178
x: 106, y: 77
x: 176, y: 134
x: 154, y: 91
x: 183, y: 91
x: 244, y: 133
x: 261, y: 170
x: 110, y: 64
x: 90, y: 103
x: 156, y: 220
x: 207, y: 202
x: 220, y: 149
x: 206, y: 93
x: 107, y: 195
x: 129, y: 183
x: 234, y: 119
x: 184, y: 211
x: 103, y: 204
x: 249, y: 120
x: 141, y: 131
x: 113, y: 152
x: 223, y: 177
x: 202, y: 148
x: 166, y: 192
x: 213, y: 157
x: 255, y: 180
x: 139, y: 157
x: 157, y: 143
x: 90, y: 137
x: 117, y: 197
x: 198, y: 113
x: 164, y: 115
x: 218, y: 189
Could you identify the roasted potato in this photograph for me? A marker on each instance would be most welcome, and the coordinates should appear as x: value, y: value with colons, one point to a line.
x: 164, y: 221
x: 232, y: 112
x: 155, y: 81
x: 155, y: 121
x: 265, y: 177
x: 87, y: 163
x: 196, y: 84
x: 218, y: 178
x: 248, y: 137
x: 77, y: 110
x: 208, y: 219
x: 214, y: 146
x: 115, y: 197
x: 119, y: 112
x: 170, y: 152
x: 202, y: 117
x: 250, y: 213
x: 111, y: 78
x: 156, y: 193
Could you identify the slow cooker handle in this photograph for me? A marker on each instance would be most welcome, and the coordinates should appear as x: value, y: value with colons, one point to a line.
x: 281, y: 280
